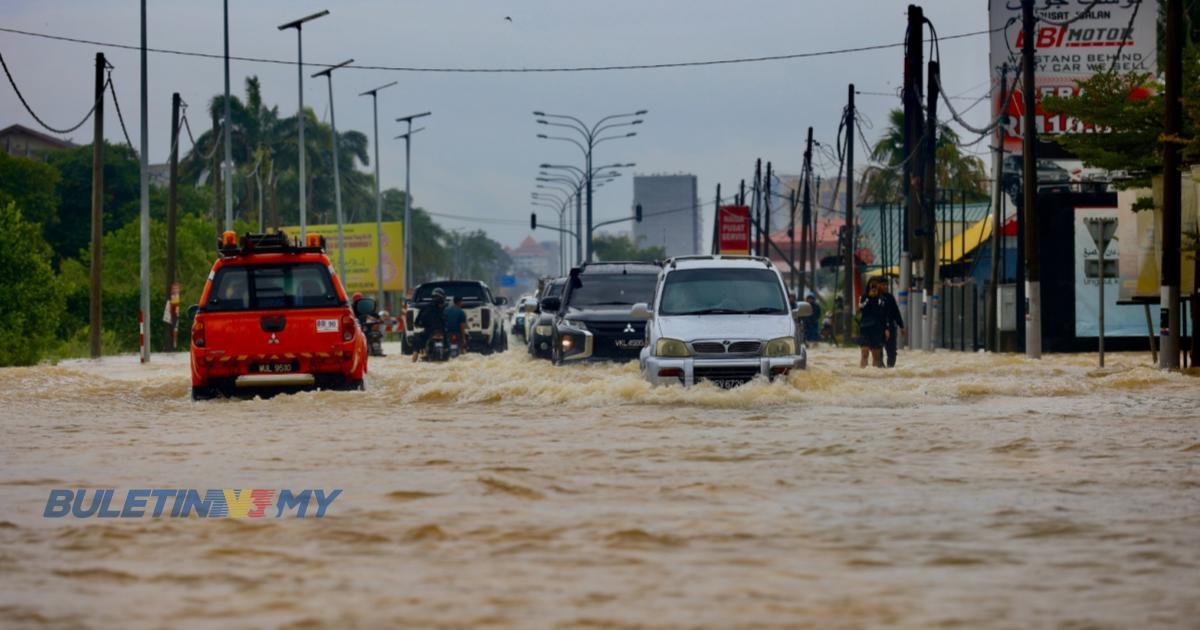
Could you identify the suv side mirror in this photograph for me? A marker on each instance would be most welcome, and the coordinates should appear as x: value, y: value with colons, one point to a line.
x: 641, y: 311
x: 192, y: 310
x: 500, y: 301
x: 551, y: 304
x: 364, y: 306
x: 803, y: 309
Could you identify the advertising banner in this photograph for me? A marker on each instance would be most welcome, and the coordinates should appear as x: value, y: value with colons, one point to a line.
x: 1072, y: 42
x: 362, y: 254
x: 734, y: 229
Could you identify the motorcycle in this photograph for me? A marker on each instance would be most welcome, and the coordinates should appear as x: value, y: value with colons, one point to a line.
x: 371, y: 323
x: 441, y: 348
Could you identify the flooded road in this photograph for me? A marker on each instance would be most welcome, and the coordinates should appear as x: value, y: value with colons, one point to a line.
x: 958, y: 491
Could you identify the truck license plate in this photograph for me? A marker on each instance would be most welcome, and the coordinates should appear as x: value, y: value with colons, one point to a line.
x: 629, y: 343
x: 274, y: 368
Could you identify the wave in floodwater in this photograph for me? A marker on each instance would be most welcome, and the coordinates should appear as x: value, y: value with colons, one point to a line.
x: 834, y: 378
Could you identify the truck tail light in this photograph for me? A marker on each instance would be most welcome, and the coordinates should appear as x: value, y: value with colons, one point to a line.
x: 198, y: 334
x: 347, y: 328
x: 670, y: 372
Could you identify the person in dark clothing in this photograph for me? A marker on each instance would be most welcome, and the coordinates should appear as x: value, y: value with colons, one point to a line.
x: 812, y: 323
x: 872, y: 323
x: 895, y: 322
x: 432, y: 321
x: 456, y: 322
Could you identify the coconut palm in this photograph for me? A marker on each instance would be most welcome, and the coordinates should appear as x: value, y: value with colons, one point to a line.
x: 956, y: 169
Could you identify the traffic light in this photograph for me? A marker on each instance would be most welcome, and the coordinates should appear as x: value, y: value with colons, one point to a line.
x: 637, y: 213
x: 533, y: 220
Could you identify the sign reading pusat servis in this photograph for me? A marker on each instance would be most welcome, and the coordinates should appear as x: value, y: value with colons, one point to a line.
x: 1073, y: 39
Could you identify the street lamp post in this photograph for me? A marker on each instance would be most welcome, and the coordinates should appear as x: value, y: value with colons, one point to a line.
x: 378, y: 199
x: 337, y: 179
x: 592, y: 137
x: 408, y: 195
x: 579, y: 183
x: 297, y: 24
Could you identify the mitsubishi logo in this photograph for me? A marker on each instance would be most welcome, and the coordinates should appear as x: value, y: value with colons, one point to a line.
x: 726, y: 342
x: 272, y: 339
x: 629, y: 328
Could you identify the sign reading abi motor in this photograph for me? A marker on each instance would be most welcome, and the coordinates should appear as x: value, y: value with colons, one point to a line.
x: 1068, y: 50
x: 733, y: 223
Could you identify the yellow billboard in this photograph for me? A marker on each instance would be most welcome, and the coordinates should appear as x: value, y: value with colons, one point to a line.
x: 362, y: 254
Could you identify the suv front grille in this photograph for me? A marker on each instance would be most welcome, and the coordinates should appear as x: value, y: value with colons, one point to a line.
x: 736, y: 347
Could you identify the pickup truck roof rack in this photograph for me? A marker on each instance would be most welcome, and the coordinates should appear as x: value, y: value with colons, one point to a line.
x: 229, y: 245
x: 673, y: 262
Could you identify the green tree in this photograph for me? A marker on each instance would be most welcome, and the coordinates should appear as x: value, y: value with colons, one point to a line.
x: 956, y: 169
x: 1130, y: 109
x: 32, y: 185
x: 474, y: 256
x: 622, y: 247
x: 122, y: 195
x: 32, y: 300
x: 430, y: 256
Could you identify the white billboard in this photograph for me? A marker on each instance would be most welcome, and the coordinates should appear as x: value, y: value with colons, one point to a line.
x: 1073, y: 39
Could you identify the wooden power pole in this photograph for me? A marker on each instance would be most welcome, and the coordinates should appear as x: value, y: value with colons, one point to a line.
x: 97, y: 209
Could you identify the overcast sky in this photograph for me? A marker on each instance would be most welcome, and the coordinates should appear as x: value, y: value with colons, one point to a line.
x: 478, y: 155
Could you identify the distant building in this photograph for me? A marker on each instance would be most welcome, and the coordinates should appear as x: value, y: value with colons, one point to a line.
x: 670, y: 213
x: 532, y: 259
x: 21, y: 141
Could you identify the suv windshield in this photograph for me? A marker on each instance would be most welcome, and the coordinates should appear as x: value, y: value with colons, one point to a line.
x: 469, y: 291
x: 723, y: 291
x: 612, y: 289
x: 258, y: 287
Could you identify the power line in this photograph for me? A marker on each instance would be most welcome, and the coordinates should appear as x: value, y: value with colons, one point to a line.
x: 21, y: 97
x: 650, y: 66
x: 113, y: 90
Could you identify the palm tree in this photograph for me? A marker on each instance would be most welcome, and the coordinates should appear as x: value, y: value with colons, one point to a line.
x: 956, y: 169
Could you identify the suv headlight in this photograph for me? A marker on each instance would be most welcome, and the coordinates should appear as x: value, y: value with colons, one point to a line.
x: 781, y: 347
x: 671, y: 348
x: 544, y: 330
x: 571, y: 323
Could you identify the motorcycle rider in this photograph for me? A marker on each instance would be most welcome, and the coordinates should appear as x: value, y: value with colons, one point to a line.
x: 433, y: 322
x: 456, y: 322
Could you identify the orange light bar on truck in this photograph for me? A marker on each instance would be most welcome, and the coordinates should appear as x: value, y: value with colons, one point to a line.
x: 313, y: 240
x: 229, y: 238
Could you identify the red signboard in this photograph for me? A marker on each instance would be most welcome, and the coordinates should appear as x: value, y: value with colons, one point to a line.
x: 733, y: 224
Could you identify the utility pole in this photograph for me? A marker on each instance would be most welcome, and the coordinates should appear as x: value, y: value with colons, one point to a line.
x: 227, y: 165
x: 1168, y: 355
x: 172, y: 205
x: 913, y: 173
x: 716, y: 233
x: 794, y: 284
x: 144, y: 311
x: 851, y: 237
x: 766, y: 213
x: 756, y: 202
x: 812, y: 236
x: 97, y: 208
x: 217, y: 175
x: 993, y: 296
x: 1033, y: 266
x: 929, y: 220
x: 806, y: 216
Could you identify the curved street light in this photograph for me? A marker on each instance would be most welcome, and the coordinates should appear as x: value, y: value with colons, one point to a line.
x: 591, y: 136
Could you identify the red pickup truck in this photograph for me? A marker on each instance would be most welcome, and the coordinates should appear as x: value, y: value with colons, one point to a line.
x: 274, y: 317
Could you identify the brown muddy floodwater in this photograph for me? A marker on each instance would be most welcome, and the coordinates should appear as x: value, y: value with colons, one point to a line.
x: 959, y: 490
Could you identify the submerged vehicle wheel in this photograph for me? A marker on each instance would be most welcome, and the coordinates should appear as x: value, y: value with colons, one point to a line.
x: 203, y: 393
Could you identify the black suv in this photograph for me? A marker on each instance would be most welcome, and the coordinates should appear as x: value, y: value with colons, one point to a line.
x: 592, y: 319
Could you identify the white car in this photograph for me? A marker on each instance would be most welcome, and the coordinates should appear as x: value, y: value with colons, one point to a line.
x: 722, y: 319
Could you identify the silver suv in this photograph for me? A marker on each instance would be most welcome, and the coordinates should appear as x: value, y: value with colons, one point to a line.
x: 722, y: 319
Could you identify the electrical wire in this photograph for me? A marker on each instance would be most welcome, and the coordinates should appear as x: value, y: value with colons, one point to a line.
x: 117, y: 105
x: 21, y: 97
x: 649, y: 66
x: 1125, y: 37
x: 968, y: 126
